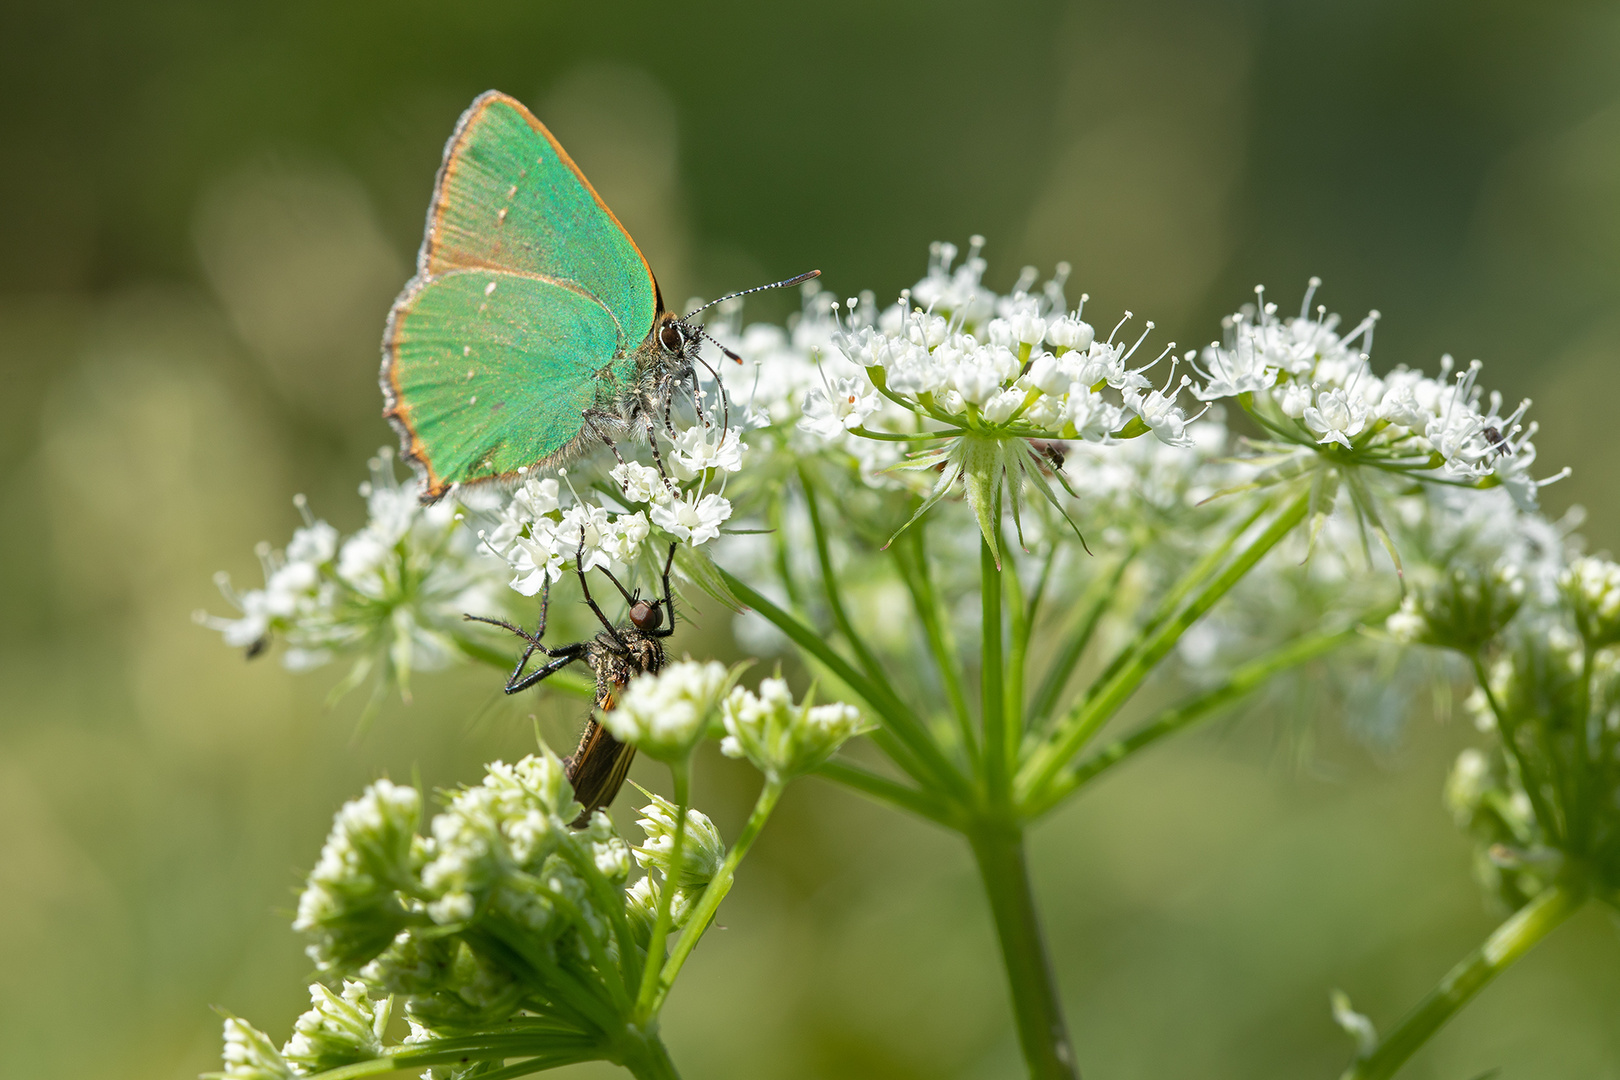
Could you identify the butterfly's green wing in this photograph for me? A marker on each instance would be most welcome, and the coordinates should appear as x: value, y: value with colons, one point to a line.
x: 509, y: 197
x: 493, y: 371
x: 573, y: 299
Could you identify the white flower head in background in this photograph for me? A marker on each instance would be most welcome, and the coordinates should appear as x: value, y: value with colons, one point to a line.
x: 391, y: 596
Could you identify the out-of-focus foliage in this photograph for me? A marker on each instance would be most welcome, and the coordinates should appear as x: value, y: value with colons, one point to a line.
x: 209, y: 208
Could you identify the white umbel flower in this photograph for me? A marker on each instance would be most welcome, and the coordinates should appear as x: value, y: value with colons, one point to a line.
x: 693, y: 518
x: 841, y: 405
x: 664, y: 715
x: 1337, y: 417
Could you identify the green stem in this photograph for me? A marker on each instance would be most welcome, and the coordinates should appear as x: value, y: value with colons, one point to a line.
x: 1241, y: 681
x: 646, y: 999
x: 1094, y: 602
x: 998, y: 849
x: 1073, y: 733
x: 784, y: 567
x: 628, y: 972
x: 911, y: 556
x: 991, y: 704
x: 1171, y: 602
x: 537, y: 1054
x: 897, y: 795
x: 1582, y: 779
x: 829, y: 585
x: 930, y: 763
x: 1528, y: 780
x: 1019, y: 617
x: 1506, y: 944
x: 717, y: 889
x: 647, y: 1058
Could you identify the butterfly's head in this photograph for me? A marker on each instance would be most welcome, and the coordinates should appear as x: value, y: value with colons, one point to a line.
x: 676, y: 337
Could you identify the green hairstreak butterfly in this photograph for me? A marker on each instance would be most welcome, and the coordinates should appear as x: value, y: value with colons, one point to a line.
x: 533, y: 326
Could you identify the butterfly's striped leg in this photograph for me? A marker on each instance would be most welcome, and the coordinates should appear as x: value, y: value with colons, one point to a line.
x: 591, y: 416
x: 669, y: 403
x: 658, y: 458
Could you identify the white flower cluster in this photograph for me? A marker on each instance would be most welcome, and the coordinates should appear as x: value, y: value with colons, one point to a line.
x: 450, y: 922
x: 1464, y: 607
x: 1023, y: 363
x: 392, y: 593
x: 250, y: 1055
x: 373, y: 841
x: 338, y: 1029
x: 953, y: 359
x: 540, y: 532
x: 665, y: 714
x: 780, y: 738
x: 1311, y: 385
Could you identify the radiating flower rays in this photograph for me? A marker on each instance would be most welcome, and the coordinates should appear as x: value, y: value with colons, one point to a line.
x: 390, y: 597
x: 972, y: 386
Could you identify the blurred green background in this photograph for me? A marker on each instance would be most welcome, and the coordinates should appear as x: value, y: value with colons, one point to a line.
x: 208, y: 209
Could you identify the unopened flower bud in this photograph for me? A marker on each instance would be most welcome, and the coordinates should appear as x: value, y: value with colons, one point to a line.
x: 702, y: 850
x: 780, y: 738
x: 1592, y: 586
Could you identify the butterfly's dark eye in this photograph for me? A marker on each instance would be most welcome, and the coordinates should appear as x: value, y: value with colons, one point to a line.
x: 645, y: 616
x: 671, y: 337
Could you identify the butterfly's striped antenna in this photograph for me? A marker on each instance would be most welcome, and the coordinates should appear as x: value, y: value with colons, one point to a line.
x: 806, y: 276
x: 710, y: 338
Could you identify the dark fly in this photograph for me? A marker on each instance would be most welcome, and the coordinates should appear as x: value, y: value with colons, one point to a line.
x: 1497, y: 441
x: 617, y: 654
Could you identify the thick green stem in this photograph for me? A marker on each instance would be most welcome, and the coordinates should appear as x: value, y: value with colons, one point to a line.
x: 1076, y: 729
x: 717, y: 888
x: 1510, y: 941
x: 999, y: 851
x: 647, y: 1058
x: 992, y: 716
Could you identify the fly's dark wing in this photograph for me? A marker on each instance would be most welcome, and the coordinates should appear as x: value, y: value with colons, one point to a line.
x: 598, y: 766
